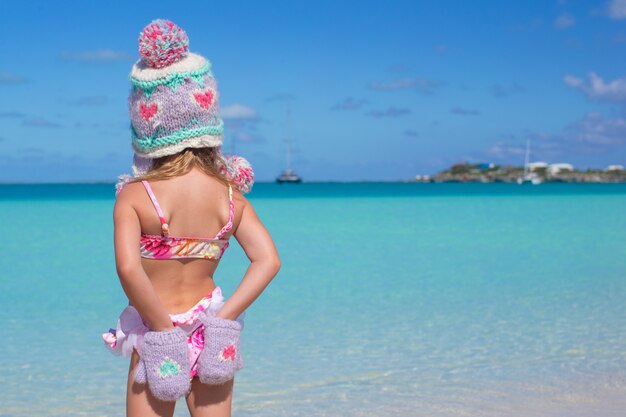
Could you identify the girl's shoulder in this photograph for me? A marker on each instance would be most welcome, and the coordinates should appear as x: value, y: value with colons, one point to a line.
x: 129, y: 193
x: 241, y: 205
x: 238, y: 197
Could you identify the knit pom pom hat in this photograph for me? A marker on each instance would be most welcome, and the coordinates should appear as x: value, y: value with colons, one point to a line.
x: 173, y: 102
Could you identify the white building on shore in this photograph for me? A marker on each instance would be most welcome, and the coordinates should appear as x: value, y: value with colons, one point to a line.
x: 535, y: 165
x: 559, y: 167
x: 615, y: 168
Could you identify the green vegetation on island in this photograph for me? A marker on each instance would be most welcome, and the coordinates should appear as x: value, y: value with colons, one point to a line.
x: 542, y: 172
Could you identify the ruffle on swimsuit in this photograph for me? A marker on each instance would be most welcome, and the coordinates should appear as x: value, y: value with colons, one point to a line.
x: 130, y: 330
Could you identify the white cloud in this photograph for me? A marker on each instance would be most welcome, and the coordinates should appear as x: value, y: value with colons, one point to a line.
x: 564, y: 21
x: 572, y: 81
x: 238, y: 112
x: 398, y: 68
x: 617, y: 9
x: 350, y: 103
x: 533, y: 24
x: 596, y: 129
x: 280, y: 97
x: 12, y: 114
x: 619, y: 38
x: 592, y: 131
x: 103, y: 55
x: 97, y: 100
x: 441, y: 48
x: 591, y: 135
x: 464, y: 111
x: 597, y: 89
x: 241, y: 121
x: 503, y: 151
x: 392, y: 111
x: 11, y: 78
x: 38, y: 121
x: 500, y: 90
x: 420, y: 85
x: 247, y: 137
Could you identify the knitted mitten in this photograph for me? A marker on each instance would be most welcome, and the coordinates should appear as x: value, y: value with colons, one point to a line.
x: 220, y: 357
x: 164, y: 364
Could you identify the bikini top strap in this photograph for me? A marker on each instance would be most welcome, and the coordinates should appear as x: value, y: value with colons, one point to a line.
x: 155, y: 203
x: 231, y: 215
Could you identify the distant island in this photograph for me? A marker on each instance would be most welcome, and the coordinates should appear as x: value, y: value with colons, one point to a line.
x: 541, y: 171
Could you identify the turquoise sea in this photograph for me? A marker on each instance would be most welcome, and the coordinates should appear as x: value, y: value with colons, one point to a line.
x: 394, y: 299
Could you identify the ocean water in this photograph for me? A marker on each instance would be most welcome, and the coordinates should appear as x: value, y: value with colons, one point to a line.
x: 393, y: 300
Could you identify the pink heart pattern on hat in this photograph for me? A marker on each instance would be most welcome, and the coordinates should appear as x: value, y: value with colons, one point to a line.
x: 147, y: 112
x: 204, y: 99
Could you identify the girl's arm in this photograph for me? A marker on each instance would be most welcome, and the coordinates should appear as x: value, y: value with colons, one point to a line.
x: 133, y: 278
x: 264, y: 263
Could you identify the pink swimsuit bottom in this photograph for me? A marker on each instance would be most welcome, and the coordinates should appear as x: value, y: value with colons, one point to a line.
x: 131, y: 328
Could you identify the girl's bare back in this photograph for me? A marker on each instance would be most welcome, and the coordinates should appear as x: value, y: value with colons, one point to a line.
x: 195, y: 205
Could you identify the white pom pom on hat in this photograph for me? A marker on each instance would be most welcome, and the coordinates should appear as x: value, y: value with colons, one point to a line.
x: 239, y: 171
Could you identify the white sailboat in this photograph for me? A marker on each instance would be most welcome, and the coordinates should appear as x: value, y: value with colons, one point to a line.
x: 528, y: 177
x: 288, y: 175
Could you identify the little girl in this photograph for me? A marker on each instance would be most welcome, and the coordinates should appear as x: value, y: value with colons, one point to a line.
x: 173, y: 220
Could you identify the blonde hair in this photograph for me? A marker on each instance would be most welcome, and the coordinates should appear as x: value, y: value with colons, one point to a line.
x: 209, y: 160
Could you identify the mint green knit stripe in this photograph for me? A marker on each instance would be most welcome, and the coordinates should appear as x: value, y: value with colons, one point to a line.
x: 175, y: 76
x: 148, y: 143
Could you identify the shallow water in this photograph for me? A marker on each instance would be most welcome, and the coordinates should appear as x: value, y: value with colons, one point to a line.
x: 393, y: 299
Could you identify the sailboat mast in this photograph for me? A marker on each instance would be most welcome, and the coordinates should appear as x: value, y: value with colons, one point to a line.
x: 527, y: 156
x: 289, y: 138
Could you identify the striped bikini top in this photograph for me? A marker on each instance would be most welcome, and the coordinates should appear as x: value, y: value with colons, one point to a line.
x: 165, y: 246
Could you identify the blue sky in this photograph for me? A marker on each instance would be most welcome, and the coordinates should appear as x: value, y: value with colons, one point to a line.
x: 378, y: 90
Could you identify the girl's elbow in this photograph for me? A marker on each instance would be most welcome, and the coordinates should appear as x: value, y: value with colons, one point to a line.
x: 125, y: 272
x: 275, y: 265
